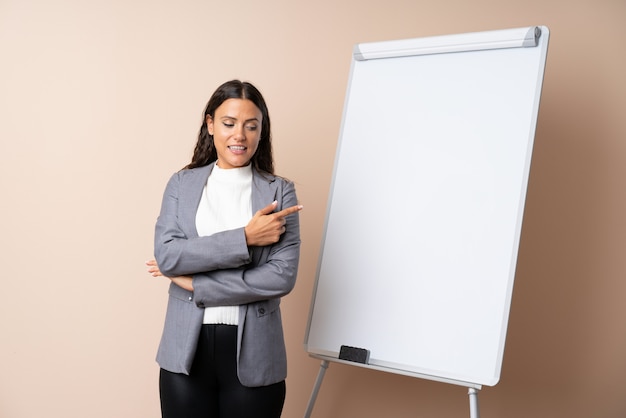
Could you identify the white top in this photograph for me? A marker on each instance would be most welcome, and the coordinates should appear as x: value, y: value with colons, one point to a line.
x: 226, y: 204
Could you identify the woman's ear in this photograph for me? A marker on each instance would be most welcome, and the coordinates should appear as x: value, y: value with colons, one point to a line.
x: 209, y: 124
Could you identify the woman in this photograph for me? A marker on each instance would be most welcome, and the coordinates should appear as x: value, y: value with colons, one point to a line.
x: 222, y: 353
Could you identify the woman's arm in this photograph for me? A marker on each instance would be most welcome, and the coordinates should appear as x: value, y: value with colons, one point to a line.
x: 179, y: 255
x: 263, y: 229
x: 271, y: 274
x: 217, y: 257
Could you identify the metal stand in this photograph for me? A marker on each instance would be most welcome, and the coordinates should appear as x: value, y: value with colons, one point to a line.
x: 316, y: 388
x: 472, y: 393
x: 473, y: 399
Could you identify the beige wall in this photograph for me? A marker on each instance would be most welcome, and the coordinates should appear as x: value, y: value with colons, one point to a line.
x: 100, y: 102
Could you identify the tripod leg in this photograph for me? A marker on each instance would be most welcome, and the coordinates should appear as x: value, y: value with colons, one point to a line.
x: 316, y: 388
x: 473, y: 398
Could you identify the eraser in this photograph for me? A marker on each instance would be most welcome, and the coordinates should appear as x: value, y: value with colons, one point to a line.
x: 357, y: 355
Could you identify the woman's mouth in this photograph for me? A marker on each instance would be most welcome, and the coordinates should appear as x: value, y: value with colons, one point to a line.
x: 237, y: 148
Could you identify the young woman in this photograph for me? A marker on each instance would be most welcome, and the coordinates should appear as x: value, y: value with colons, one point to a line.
x: 228, y: 239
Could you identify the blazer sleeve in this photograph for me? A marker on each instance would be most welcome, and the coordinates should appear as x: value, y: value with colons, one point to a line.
x: 271, y: 274
x: 177, y: 248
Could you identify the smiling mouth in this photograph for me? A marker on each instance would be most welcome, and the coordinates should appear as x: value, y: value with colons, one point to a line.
x: 237, y: 147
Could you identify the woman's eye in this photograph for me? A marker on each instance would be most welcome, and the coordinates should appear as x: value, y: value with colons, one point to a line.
x: 229, y: 124
x: 251, y: 127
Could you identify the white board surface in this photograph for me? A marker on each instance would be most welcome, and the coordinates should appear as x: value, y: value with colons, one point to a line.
x: 425, y: 211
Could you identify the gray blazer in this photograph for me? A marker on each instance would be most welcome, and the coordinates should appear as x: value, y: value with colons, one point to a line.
x: 226, y: 272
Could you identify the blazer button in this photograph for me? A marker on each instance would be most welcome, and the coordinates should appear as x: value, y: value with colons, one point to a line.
x: 261, y: 311
x: 190, y: 298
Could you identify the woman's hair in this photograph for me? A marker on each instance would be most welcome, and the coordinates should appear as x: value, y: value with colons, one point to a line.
x: 205, y: 153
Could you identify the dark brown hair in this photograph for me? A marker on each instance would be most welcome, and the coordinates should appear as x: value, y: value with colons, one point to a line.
x: 205, y: 153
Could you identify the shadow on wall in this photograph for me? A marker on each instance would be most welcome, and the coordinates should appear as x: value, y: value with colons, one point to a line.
x: 548, y: 351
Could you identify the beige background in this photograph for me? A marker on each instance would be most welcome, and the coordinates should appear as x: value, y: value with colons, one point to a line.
x: 100, y: 102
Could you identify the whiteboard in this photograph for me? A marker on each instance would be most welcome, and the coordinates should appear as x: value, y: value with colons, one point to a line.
x: 423, y: 224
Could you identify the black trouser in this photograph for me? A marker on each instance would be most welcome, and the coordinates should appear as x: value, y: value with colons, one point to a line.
x: 212, y: 389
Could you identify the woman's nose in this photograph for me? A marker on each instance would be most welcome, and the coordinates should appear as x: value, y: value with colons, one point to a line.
x: 240, y: 133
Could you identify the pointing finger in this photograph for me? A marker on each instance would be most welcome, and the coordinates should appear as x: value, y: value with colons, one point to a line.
x: 289, y: 210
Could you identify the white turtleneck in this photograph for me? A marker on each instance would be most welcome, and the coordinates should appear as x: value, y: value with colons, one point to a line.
x: 226, y: 204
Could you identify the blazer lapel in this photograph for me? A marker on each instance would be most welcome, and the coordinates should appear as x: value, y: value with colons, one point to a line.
x: 190, y: 193
x: 263, y: 190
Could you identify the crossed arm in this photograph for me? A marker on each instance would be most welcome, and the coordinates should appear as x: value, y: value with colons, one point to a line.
x: 265, y: 228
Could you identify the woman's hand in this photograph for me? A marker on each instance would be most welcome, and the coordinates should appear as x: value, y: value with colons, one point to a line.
x: 266, y: 227
x: 153, y: 268
x: 186, y: 282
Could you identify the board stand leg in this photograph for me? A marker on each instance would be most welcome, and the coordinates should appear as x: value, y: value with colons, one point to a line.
x: 316, y: 388
x: 473, y: 400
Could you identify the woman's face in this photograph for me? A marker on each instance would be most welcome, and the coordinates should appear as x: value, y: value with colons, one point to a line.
x: 236, y: 130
